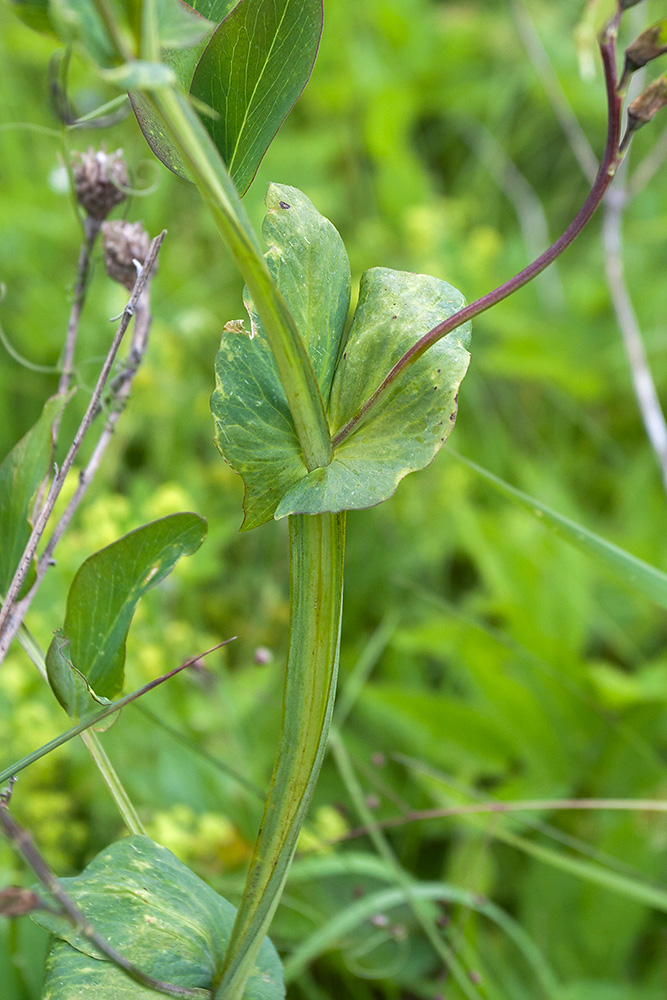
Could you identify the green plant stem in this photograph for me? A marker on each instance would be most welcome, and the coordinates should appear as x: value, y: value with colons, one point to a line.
x: 316, y: 590
x: 10, y: 772
x: 218, y: 191
x: 92, y: 744
x: 113, y: 782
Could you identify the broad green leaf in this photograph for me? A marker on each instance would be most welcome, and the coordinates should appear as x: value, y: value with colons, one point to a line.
x: 414, y: 418
x: 645, y: 578
x: 34, y: 13
x: 308, y: 262
x: 21, y: 473
x: 254, y: 428
x: 69, y: 685
x: 252, y: 72
x: 78, y: 22
x: 157, y: 914
x: 249, y: 74
x: 107, y: 587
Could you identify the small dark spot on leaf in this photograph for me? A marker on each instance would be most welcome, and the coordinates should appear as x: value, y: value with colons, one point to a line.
x: 283, y: 204
x: 456, y: 398
x: 452, y: 417
x: 435, y: 388
x: 344, y: 354
x: 438, y: 370
x: 394, y: 317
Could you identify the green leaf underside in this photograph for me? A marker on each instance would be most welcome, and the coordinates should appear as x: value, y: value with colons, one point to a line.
x: 177, y: 24
x: 154, y: 134
x: 69, y: 685
x: 21, y: 473
x: 254, y: 428
x: 252, y: 72
x: 249, y: 73
x: 181, y: 25
x: 78, y: 22
x: 414, y: 418
x: 107, y: 587
x: 157, y: 914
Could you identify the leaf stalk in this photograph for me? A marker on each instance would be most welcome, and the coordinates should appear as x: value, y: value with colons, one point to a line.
x: 606, y: 171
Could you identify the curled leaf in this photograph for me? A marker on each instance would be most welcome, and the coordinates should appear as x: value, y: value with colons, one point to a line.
x: 69, y: 685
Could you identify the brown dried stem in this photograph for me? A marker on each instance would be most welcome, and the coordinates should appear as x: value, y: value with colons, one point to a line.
x: 9, y: 621
x: 603, y: 179
x: 120, y: 391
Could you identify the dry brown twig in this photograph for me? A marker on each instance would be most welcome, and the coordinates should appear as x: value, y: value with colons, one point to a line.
x: 615, y: 203
x: 24, y: 845
x: 10, y: 619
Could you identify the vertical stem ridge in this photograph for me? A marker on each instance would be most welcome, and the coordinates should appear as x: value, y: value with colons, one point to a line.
x: 316, y: 589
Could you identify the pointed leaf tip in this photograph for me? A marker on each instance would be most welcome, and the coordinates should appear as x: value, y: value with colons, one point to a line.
x: 108, y: 586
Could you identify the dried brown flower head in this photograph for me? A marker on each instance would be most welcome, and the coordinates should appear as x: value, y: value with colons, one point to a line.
x: 99, y: 181
x: 124, y: 242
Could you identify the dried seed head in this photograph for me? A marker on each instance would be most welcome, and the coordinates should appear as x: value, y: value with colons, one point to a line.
x: 124, y: 242
x: 645, y: 107
x: 99, y: 179
x: 648, y: 46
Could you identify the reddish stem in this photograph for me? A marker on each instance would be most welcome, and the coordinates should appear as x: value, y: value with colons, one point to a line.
x: 602, y: 181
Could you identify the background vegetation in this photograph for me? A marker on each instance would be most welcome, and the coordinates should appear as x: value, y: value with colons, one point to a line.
x: 499, y: 663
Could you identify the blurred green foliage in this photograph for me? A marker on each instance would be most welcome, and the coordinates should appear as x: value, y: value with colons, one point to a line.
x: 508, y: 665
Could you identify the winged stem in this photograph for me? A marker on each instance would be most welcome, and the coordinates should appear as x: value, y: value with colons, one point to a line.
x: 218, y: 191
x: 316, y: 592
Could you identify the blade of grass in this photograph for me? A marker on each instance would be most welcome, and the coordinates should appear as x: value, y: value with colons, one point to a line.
x: 640, y: 575
x: 81, y: 727
x: 423, y: 916
x: 356, y: 915
x: 628, y: 886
